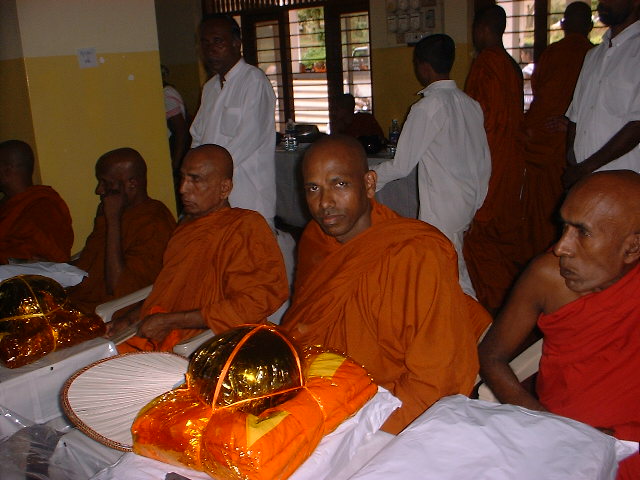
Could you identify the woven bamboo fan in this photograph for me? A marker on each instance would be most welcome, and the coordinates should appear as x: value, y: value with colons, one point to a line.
x: 103, y: 399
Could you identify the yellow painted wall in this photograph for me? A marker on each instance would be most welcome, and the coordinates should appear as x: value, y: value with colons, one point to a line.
x: 394, y: 83
x: 77, y: 114
x: 95, y: 110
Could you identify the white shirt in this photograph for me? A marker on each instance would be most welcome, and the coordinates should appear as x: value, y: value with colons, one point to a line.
x: 607, y: 96
x: 240, y: 117
x: 444, y: 135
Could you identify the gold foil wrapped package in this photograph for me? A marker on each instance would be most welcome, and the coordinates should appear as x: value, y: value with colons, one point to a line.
x: 251, y: 367
x: 36, y: 319
x: 285, y: 405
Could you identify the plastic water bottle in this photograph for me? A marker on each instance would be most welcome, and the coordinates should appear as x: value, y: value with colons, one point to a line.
x: 394, y: 135
x: 290, y: 139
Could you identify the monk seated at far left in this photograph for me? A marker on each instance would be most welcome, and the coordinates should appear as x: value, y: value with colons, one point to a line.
x: 35, y: 223
x: 222, y: 267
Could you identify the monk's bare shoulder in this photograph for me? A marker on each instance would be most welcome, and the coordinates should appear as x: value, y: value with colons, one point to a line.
x: 544, y: 282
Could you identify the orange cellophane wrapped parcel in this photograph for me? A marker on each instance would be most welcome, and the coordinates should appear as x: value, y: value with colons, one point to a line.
x: 234, y: 442
x: 36, y: 318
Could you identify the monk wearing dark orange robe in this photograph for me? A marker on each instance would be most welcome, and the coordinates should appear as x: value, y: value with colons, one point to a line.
x: 35, y: 223
x: 492, y: 246
x: 553, y: 81
x: 222, y: 267
x: 124, y: 251
x: 381, y: 288
x: 584, y: 297
x: 355, y: 124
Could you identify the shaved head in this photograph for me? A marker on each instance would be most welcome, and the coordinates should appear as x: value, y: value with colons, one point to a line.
x: 577, y: 18
x: 217, y: 157
x: 493, y: 17
x: 122, y: 171
x: 206, y: 180
x: 16, y: 167
x: 351, y: 151
x: 339, y: 186
x: 124, y: 158
x: 600, y: 242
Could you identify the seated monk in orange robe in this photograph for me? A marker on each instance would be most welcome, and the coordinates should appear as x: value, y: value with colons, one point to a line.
x: 35, y: 223
x: 493, y: 244
x: 355, y: 124
x: 222, y: 267
x: 124, y: 251
x: 553, y: 81
x: 381, y: 288
x: 584, y: 297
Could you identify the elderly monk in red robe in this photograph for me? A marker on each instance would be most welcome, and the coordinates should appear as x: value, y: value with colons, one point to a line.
x: 124, y: 251
x: 584, y: 297
x: 222, y: 267
x: 553, y: 81
x: 381, y: 288
x: 35, y: 223
x: 492, y: 246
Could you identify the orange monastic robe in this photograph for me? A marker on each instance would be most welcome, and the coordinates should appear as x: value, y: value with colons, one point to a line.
x: 35, y: 225
x: 492, y: 246
x: 145, y: 230
x: 589, y: 369
x: 390, y: 299
x: 553, y: 82
x: 227, y: 265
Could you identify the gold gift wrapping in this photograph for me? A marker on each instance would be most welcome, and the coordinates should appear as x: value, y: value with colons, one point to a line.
x: 253, y: 367
x: 36, y: 319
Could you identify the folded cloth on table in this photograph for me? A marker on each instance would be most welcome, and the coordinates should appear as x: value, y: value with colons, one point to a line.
x: 459, y: 438
x: 63, y: 273
x: 333, y: 454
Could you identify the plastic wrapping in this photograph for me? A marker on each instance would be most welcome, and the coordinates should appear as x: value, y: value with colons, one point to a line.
x: 231, y: 441
x: 36, y: 319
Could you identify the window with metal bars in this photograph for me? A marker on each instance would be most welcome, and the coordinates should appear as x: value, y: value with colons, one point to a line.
x: 534, y: 24
x: 311, y: 51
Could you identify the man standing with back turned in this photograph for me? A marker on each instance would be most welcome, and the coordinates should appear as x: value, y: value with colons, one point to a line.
x: 444, y: 134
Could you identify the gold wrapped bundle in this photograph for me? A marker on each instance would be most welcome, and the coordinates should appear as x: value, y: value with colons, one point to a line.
x: 36, y: 319
x: 270, y: 417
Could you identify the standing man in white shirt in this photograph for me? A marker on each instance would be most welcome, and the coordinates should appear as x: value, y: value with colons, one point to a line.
x: 237, y: 113
x: 604, y: 127
x: 444, y: 135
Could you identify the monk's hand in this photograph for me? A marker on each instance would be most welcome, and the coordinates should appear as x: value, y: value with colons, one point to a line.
x: 114, y: 201
x: 119, y: 324
x: 557, y: 124
x: 156, y: 327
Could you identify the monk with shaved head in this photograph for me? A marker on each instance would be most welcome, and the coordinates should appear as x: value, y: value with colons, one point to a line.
x: 584, y: 297
x: 124, y: 251
x: 493, y: 244
x: 222, y: 267
x: 35, y: 223
x: 382, y: 288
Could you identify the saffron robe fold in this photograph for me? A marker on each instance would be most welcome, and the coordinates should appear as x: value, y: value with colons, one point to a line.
x: 227, y: 265
x: 35, y: 225
x: 390, y: 299
x: 553, y: 81
x: 590, y: 363
x: 492, y: 246
x: 145, y: 230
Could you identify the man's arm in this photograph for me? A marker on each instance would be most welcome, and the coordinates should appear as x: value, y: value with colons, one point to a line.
x: 512, y: 327
x: 179, y: 130
x: 417, y: 134
x: 156, y: 327
x: 625, y: 140
x: 113, y: 204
